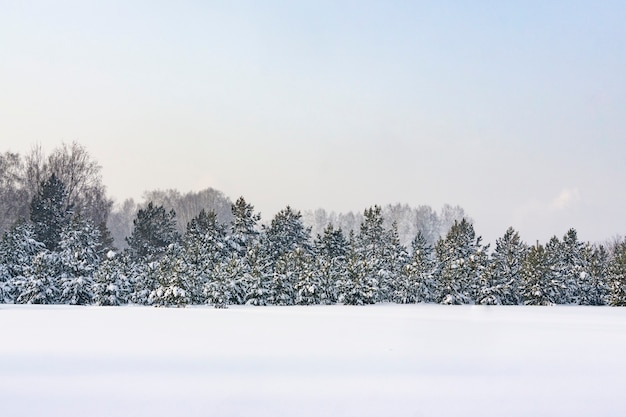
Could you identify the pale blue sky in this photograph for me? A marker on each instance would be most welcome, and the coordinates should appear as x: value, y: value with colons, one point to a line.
x: 513, y: 110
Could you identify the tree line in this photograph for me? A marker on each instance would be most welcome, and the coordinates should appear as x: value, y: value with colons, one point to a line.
x: 59, y: 250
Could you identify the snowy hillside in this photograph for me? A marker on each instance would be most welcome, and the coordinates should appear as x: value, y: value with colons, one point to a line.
x: 382, y: 360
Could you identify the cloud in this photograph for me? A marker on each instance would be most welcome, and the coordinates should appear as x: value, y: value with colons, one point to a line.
x: 566, y: 198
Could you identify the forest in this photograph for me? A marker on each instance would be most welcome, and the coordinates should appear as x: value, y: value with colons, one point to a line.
x: 65, y: 242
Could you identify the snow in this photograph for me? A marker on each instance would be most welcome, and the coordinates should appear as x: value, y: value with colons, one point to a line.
x: 380, y: 360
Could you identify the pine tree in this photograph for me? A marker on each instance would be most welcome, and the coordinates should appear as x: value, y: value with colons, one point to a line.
x: 257, y: 281
x: 502, y: 279
x: 593, y: 285
x: 417, y: 283
x: 359, y: 286
x: 40, y: 283
x: 330, y: 262
x: 154, y: 230
x: 48, y: 212
x: 617, y: 276
x: 558, y: 283
x: 286, y: 234
x: 204, y: 251
x: 539, y: 283
x: 78, y: 253
x: 111, y: 285
x: 175, y: 285
x: 243, y: 233
x: 462, y: 260
x: 18, y: 247
x: 574, y: 268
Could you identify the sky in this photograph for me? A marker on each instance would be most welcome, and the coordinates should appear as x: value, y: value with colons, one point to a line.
x: 513, y: 110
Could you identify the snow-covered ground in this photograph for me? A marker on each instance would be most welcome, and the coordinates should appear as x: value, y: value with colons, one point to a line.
x: 383, y: 360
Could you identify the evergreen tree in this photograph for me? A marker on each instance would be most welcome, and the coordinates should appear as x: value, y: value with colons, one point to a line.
x: 175, y: 285
x: 40, y: 283
x: 381, y: 254
x: 286, y: 234
x: 359, y: 286
x: 204, y: 250
x: 593, y: 286
x: 462, y: 260
x: 154, y: 230
x: 502, y: 280
x: 417, y: 283
x: 617, y: 276
x: 559, y: 282
x: 224, y: 286
x: 111, y: 285
x: 330, y: 262
x: 48, y: 212
x: 244, y: 233
x: 18, y: 247
x: 257, y: 281
x: 79, y: 259
x: 539, y: 283
x: 574, y: 268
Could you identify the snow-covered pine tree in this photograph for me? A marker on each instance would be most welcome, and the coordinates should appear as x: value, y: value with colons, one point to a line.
x: 48, y: 212
x: 243, y: 233
x: 330, y: 261
x: 111, y: 285
x: 18, y: 247
x: 500, y: 285
x: 381, y: 253
x: 593, y: 283
x: 417, y: 283
x: 555, y: 285
x: 204, y: 250
x: 573, y: 267
x: 40, y: 282
x: 287, y: 233
x: 359, y: 286
x: 462, y: 260
x: 175, y: 285
x: 538, y: 285
x: 257, y: 278
x: 617, y: 276
x: 78, y: 253
x: 153, y: 232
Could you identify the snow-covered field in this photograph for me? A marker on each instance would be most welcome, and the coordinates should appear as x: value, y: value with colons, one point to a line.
x: 383, y: 360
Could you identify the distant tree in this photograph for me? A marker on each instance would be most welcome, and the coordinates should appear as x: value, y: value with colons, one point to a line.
x: 49, y: 212
x: 81, y: 175
x: 154, y: 230
x: 14, y: 197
